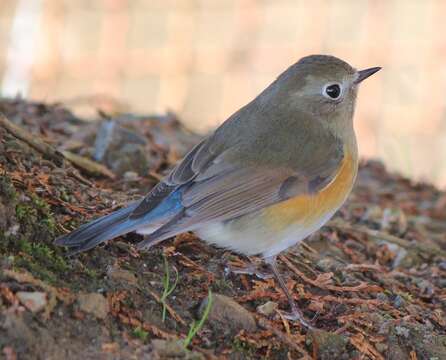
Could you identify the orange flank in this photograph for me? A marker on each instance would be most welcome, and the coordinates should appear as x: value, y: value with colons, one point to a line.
x: 310, y: 208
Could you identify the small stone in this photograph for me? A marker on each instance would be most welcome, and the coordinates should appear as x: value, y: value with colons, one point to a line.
x: 228, y: 315
x: 267, y: 308
x: 406, y: 259
x: 121, y: 149
x: 426, y: 288
x: 329, y: 345
x: 402, y: 331
x: 172, y: 349
x: 381, y: 347
x: 329, y: 264
x: 441, y: 283
x: 399, y: 302
x: 130, y: 176
x: 168, y: 348
x: 33, y: 301
x: 94, y: 304
x: 421, y: 338
x: 121, y: 275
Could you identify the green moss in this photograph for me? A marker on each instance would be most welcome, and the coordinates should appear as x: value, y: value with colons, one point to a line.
x: 24, y: 212
x: 36, y: 212
x: 47, y: 256
x: 405, y: 295
x: 34, y: 268
x: 73, y: 223
x: 140, y: 333
x: 64, y: 196
x: 329, y: 344
x: 37, y: 223
x: 46, y: 217
x: 50, y: 224
x: 90, y: 272
x: 24, y: 246
x: 244, y: 348
x: 40, y: 260
x: 41, y: 205
x: 222, y: 285
x: 7, y: 188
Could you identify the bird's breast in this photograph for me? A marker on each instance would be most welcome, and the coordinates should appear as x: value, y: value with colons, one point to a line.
x: 308, y: 208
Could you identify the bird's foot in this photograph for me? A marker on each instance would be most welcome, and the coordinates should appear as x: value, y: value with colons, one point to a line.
x: 250, y: 269
x: 296, y: 315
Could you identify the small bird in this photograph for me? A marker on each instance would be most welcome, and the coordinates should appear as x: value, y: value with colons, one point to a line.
x: 272, y: 174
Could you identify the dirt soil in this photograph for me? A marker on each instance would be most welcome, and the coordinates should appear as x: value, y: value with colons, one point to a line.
x: 373, y: 281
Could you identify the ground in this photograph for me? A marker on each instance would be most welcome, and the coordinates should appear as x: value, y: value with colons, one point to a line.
x: 373, y: 280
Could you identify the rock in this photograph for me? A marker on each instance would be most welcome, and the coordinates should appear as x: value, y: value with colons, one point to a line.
x: 94, y: 304
x: 227, y: 315
x: 399, y: 302
x: 330, y: 264
x: 426, y: 288
x: 130, y: 176
x: 406, y: 259
x: 121, y: 275
x: 402, y: 331
x: 267, y: 308
x: 130, y: 143
x: 33, y: 301
x: 405, y: 337
x: 329, y: 345
x: 28, y: 340
x: 381, y: 347
x: 171, y: 349
x: 121, y: 149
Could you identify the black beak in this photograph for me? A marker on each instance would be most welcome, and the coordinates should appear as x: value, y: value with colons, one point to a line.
x: 364, y: 74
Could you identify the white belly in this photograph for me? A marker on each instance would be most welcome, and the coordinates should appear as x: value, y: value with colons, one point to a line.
x: 248, y: 236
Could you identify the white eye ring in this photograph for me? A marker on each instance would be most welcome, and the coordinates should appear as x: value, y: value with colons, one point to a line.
x: 332, y: 91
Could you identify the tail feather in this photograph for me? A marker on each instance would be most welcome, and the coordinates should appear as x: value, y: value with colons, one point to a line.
x: 100, y: 230
x: 120, y: 223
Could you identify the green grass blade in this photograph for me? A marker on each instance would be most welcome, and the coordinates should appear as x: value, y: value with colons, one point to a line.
x: 197, y: 325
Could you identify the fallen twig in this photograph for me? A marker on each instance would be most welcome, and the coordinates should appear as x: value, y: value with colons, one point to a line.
x: 361, y: 287
x: 125, y: 319
x: 283, y: 337
x: 379, y: 236
x: 358, y: 341
x: 89, y: 166
x: 45, y: 149
x: 171, y: 311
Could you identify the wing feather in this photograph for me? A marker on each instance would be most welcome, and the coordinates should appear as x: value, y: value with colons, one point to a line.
x: 219, y: 182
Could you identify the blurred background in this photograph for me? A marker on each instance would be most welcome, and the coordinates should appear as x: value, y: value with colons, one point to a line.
x: 204, y: 59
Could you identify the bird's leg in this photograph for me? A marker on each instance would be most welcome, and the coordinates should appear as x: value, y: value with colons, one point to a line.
x: 295, y: 313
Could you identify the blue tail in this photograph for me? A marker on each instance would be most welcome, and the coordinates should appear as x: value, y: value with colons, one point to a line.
x: 93, y: 233
x: 119, y: 223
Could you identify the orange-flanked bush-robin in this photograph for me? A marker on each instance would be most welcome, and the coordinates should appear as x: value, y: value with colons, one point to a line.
x: 269, y: 176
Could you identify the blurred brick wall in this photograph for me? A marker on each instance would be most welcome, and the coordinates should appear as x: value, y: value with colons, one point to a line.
x: 205, y: 59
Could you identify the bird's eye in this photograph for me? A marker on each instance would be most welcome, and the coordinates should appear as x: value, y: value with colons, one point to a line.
x: 332, y: 91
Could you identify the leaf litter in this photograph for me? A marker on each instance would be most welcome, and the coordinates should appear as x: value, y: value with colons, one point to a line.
x: 372, y: 281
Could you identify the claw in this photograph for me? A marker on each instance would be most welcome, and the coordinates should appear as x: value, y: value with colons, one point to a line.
x: 251, y: 269
x: 295, y: 314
